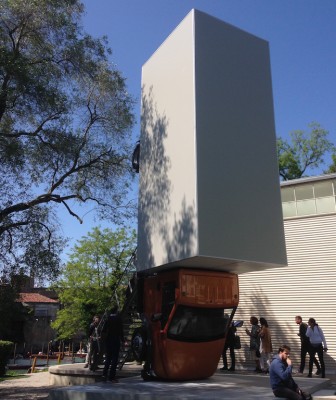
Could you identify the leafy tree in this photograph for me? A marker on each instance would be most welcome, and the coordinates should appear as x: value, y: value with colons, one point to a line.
x: 332, y: 167
x: 12, y: 312
x: 307, y: 150
x: 90, y: 278
x: 65, y: 120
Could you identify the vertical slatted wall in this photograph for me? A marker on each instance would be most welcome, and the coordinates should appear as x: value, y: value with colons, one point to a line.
x: 307, y: 287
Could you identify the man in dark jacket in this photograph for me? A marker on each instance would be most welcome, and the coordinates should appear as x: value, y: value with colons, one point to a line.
x: 113, y: 336
x: 305, y: 346
x: 282, y: 382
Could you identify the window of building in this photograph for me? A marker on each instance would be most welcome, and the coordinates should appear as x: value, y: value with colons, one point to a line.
x: 309, y: 199
x: 323, y: 189
x: 41, y: 312
x: 287, y: 194
x: 306, y: 207
x: 325, y: 205
x: 304, y: 192
x: 289, y: 209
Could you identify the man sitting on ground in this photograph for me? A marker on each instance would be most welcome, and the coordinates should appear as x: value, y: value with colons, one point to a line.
x: 282, y: 382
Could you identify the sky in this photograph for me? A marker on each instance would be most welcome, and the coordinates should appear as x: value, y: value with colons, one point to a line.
x: 301, y: 36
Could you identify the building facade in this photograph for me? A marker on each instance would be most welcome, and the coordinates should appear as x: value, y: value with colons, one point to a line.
x: 307, y: 286
x: 38, y: 336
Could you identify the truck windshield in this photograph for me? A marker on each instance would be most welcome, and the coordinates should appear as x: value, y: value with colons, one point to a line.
x: 193, y: 324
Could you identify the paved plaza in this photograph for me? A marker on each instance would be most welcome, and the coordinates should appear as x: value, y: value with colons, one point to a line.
x: 239, y: 385
x: 233, y: 386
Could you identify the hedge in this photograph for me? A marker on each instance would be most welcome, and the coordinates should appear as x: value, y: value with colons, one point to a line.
x: 6, y: 349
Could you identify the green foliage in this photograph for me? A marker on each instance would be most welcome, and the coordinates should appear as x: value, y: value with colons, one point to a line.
x: 5, y: 350
x: 332, y: 167
x: 91, y: 278
x: 307, y: 150
x: 11, y: 311
x: 65, y: 130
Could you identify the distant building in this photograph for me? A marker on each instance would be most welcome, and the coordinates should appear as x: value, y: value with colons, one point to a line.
x: 307, y: 287
x: 37, y: 332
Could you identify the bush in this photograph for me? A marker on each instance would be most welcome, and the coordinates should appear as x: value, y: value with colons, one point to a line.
x: 5, y: 351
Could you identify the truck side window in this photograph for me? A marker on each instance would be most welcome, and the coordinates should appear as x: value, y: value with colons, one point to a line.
x: 168, y: 300
x: 194, y: 324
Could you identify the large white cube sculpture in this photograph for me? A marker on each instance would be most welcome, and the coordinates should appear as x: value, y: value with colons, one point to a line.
x: 209, y: 192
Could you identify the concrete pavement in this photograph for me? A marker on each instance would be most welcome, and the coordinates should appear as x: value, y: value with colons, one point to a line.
x: 222, y: 385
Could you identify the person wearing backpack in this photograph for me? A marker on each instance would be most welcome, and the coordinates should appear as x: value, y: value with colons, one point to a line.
x: 318, y: 345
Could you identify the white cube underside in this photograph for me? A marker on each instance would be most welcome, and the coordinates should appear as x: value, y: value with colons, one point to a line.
x: 209, y: 185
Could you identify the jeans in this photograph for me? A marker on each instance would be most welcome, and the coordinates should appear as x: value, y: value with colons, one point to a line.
x: 304, y: 350
x: 232, y: 356
x: 94, y: 355
x: 312, y: 351
x: 288, y: 393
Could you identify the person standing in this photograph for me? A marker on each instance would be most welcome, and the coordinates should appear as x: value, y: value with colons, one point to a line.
x: 87, y: 358
x: 113, y: 335
x: 229, y: 345
x: 265, y: 345
x: 254, y: 341
x: 93, y: 345
x: 282, y: 382
x: 318, y: 345
x: 305, y: 345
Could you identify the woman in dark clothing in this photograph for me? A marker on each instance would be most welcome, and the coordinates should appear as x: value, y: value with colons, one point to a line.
x: 229, y: 344
x: 318, y: 345
x: 254, y: 341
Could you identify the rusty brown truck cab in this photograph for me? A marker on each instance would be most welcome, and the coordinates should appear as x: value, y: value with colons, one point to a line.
x: 186, y: 314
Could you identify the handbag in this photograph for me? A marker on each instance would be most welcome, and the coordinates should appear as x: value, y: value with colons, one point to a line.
x: 237, y: 344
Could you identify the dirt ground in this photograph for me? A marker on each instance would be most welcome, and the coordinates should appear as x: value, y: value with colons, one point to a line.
x: 30, y: 387
x: 36, y: 386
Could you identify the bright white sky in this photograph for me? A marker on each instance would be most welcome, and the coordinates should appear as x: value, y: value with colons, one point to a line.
x: 301, y: 35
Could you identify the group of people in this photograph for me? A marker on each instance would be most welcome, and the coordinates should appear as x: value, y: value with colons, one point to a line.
x: 260, y: 345
x: 105, y: 341
x: 279, y: 367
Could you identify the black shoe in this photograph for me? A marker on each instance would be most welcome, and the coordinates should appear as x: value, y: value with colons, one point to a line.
x: 318, y: 372
x: 223, y: 369
x: 309, y: 375
x: 232, y: 369
x: 113, y: 380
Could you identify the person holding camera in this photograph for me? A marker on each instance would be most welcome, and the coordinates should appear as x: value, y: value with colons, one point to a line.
x: 229, y: 345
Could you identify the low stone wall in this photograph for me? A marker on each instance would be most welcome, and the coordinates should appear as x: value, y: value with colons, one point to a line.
x: 72, y: 374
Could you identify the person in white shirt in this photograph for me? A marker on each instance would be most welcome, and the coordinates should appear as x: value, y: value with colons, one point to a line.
x: 318, y: 345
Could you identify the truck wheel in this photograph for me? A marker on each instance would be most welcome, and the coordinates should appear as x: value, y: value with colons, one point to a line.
x: 139, y: 345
